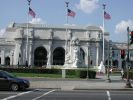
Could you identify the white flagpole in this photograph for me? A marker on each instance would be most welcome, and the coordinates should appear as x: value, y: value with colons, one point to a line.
x: 107, y: 76
x: 103, y: 31
x: 67, y: 3
x: 101, y: 67
x: 27, y: 38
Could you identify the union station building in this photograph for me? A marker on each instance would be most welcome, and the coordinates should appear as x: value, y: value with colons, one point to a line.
x: 41, y: 45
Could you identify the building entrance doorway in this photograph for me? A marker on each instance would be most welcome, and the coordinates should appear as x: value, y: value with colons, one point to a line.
x: 7, y: 61
x: 59, y: 56
x: 40, y: 57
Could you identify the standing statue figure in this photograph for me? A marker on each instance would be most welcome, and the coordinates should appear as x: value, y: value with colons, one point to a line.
x: 76, y: 55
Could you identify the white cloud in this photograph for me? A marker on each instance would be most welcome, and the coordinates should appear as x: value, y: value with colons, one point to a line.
x: 2, y: 31
x: 87, y: 6
x: 37, y: 21
x: 122, y: 26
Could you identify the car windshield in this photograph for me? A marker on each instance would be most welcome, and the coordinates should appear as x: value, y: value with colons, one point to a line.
x: 8, y: 74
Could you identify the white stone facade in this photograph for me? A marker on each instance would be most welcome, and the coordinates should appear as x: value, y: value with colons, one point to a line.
x: 46, y: 45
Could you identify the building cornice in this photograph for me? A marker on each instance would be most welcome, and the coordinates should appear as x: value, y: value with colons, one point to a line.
x: 39, y: 26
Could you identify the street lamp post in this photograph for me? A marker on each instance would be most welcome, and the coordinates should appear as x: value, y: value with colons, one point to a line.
x: 128, y: 83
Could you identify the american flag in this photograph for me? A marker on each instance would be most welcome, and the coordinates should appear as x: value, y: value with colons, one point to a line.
x: 106, y: 15
x: 71, y: 13
x: 32, y: 13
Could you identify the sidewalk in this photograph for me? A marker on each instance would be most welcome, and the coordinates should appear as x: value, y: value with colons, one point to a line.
x: 83, y: 84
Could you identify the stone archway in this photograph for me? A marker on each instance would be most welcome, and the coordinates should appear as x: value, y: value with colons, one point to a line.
x: 59, y: 56
x: 40, y: 56
x: 7, y: 61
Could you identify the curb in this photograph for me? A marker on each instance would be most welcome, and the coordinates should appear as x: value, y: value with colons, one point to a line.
x: 126, y: 89
x: 66, y: 89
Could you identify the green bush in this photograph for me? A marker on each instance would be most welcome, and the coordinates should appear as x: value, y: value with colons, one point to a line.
x: 32, y: 70
x: 91, y: 74
x: 130, y: 75
x: 70, y: 73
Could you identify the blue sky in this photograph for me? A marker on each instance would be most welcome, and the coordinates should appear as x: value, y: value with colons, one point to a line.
x: 88, y: 12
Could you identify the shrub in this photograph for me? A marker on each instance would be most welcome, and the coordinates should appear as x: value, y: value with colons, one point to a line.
x: 130, y: 75
x: 91, y: 74
x: 70, y: 73
x: 32, y: 70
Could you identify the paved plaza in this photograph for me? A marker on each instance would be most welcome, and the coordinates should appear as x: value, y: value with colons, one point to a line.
x: 71, y: 84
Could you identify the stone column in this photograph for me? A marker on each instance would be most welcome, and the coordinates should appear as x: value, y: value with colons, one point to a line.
x: 30, y: 51
x: 49, y: 56
x: 97, y: 54
x: 11, y: 56
x: 49, y: 62
x: 88, y: 55
x: 17, y: 53
x: 2, y: 57
x: 87, y: 35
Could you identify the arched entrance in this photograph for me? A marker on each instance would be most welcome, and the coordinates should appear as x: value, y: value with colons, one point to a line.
x: 40, y: 56
x: 7, y: 61
x: 59, y: 56
x: 82, y: 53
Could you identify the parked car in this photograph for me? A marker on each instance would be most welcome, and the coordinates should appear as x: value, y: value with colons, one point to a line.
x: 8, y: 81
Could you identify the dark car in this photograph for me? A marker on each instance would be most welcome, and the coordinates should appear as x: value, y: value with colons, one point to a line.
x: 8, y: 81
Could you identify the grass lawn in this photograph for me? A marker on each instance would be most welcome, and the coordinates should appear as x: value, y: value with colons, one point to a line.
x: 37, y: 75
x: 43, y: 75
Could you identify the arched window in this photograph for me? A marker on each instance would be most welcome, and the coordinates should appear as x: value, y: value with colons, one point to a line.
x: 82, y: 53
x: 59, y: 56
x: 40, y: 56
x: 7, y: 61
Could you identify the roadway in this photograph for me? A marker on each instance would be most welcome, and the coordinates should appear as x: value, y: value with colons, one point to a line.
x: 57, y: 94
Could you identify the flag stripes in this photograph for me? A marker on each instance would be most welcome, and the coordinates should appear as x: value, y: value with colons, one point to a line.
x: 106, y: 15
x: 70, y: 13
x: 32, y: 13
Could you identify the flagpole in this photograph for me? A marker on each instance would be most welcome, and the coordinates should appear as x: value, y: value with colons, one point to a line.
x: 107, y: 73
x: 67, y: 3
x: 27, y: 38
x: 103, y: 31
